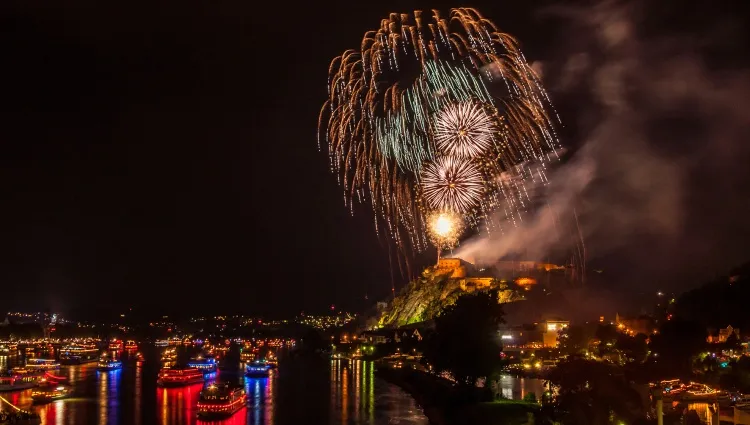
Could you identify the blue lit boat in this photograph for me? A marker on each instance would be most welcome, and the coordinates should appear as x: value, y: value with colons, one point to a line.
x: 257, y: 369
x: 204, y: 364
x: 105, y: 365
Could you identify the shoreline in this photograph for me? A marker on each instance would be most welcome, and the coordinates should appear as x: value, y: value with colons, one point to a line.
x: 443, y: 404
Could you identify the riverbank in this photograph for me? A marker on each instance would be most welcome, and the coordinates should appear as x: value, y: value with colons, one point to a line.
x: 444, y: 404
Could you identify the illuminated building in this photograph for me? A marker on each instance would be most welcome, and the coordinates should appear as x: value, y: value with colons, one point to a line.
x: 723, y: 335
x: 552, y: 329
x: 532, y: 336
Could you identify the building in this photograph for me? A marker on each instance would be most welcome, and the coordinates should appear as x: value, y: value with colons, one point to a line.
x: 532, y: 336
x: 722, y: 335
x: 456, y: 268
x: 552, y: 330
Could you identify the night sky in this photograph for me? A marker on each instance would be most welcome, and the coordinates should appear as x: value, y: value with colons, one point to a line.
x: 163, y: 155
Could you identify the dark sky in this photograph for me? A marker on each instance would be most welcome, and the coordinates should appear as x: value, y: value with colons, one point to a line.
x: 164, y: 153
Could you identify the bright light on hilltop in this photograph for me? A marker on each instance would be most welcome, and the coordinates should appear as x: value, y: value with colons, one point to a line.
x: 443, y: 225
x: 444, y: 229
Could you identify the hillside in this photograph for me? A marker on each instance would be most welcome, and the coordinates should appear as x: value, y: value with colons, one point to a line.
x: 438, y: 287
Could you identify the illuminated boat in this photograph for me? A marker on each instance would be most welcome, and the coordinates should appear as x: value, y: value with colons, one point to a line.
x: 701, y: 392
x: 169, y: 355
x: 246, y: 356
x: 161, y: 342
x: 272, y: 361
x: 257, y: 369
x: 18, y: 380
x: 50, y: 393
x: 220, y: 401
x: 105, y: 364
x: 205, y: 364
x: 139, y: 357
x: 115, y: 345
x: 177, y: 377
x: 131, y: 345
x: 8, y: 348
x: 42, y: 364
x: 78, y: 354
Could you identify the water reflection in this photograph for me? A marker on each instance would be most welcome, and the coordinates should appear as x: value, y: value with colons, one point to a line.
x: 514, y: 388
x: 316, y: 391
x: 178, y: 405
x: 358, y: 397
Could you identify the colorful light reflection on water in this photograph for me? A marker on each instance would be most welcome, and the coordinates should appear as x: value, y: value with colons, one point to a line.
x: 325, y: 392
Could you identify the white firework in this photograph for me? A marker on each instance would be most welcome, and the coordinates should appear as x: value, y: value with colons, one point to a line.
x: 452, y: 184
x: 464, y: 129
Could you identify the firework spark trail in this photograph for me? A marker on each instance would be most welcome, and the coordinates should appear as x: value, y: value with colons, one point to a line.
x: 414, y: 100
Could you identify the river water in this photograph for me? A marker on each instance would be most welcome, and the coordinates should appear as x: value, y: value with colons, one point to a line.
x: 302, y: 390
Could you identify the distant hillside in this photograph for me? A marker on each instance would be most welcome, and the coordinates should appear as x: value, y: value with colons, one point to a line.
x: 721, y: 302
x: 438, y: 287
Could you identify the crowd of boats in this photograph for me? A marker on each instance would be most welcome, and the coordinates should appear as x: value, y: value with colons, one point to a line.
x: 38, y: 374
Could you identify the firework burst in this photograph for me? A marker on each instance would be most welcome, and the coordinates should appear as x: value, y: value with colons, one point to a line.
x: 425, y: 100
x: 452, y: 184
x: 444, y: 228
x: 463, y: 130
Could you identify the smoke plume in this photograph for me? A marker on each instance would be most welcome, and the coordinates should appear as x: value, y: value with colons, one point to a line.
x: 657, y: 119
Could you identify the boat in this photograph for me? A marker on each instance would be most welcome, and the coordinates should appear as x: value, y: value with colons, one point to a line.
x: 205, y: 364
x: 115, y: 345
x: 42, y: 364
x: 78, y: 354
x: 131, y: 345
x: 8, y: 348
x: 169, y: 355
x: 220, y: 401
x: 179, y: 376
x: 701, y: 392
x: 18, y: 380
x: 271, y: 360
x: 48, y: 393
x: 161, y: 342
x: 257, y: 369
x: 139, y: 357
x: 106, y: 365
x: 247, y: 356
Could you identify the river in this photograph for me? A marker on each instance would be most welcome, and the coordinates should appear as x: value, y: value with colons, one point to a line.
x: 302, y: 390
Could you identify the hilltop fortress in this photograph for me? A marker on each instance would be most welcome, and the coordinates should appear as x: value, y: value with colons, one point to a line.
x: 440, y: 285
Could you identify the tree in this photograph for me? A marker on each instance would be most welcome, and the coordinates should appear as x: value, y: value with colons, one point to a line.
x: 677, y: 342
x: 466, y: 342
x: 592, y: 392
x: 634, y: 348
x: 573, y: 339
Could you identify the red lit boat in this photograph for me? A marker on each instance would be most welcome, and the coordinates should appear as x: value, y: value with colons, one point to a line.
x: 220, y: 401
x: 115, y: 345
x: 179, y: 376
x: 131, y: 345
